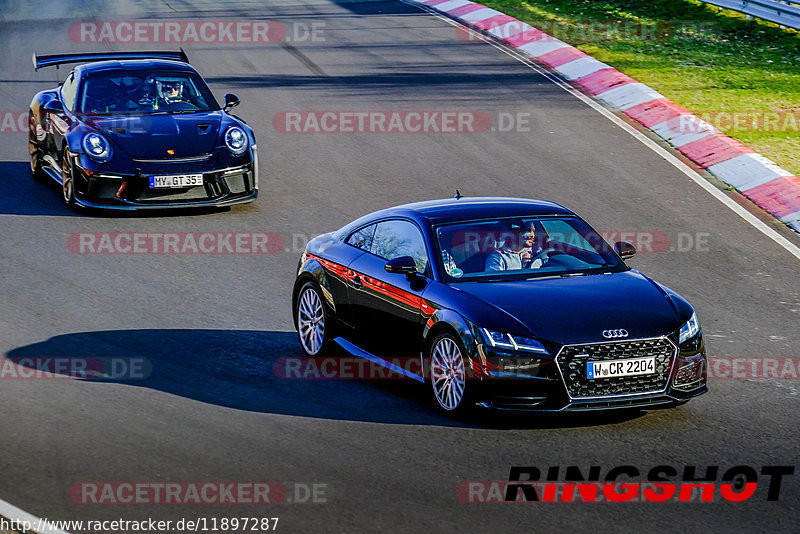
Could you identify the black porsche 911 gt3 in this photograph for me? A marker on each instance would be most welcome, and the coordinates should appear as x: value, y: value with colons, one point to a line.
x: 506, y: 303
x: 132, y: 130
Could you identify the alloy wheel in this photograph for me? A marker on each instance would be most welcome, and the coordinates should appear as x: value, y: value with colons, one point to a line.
x: 448, y: 374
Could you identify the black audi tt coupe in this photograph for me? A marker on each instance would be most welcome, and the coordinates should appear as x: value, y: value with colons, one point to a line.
x: 505, y: 303
x: 137, y: 130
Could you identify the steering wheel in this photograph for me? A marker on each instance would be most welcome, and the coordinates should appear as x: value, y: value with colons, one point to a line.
x: 541, y: 254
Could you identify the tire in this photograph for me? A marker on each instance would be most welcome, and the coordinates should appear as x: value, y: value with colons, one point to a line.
x: 67, y: 180
x: 315, y: 324
x: 33, y: 150
x: 449, y: 374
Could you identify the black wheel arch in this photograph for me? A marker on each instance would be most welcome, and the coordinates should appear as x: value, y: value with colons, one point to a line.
x: 446, y: 320
x: 312, y: 271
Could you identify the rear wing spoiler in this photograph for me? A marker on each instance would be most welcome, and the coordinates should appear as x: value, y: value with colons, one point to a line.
x: 60, y: 59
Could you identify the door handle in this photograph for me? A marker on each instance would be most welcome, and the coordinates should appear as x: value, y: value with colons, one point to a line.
x: 355, y: 281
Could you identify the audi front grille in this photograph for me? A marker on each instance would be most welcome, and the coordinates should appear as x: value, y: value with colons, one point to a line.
x: 572, y: 361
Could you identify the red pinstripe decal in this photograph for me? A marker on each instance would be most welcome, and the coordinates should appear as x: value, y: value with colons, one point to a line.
x: 388, y: 290
x: 335, y: 268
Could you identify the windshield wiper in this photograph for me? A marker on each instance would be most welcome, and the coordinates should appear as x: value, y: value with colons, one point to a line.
x: 174, y: 112
x: 546, y: 277
x: 568, y: 275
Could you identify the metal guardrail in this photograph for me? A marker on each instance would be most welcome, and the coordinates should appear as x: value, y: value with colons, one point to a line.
x: 784, y: 13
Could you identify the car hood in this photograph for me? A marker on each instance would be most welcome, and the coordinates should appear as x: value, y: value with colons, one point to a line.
x: 579, y: 309
x: 150, y: 136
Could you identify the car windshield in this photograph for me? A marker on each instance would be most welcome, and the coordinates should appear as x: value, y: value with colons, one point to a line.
x: 142, y: 92
x: 522, y: 248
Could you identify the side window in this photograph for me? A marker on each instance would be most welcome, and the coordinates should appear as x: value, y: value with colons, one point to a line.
x: 69, y: 90
x: 362, y: 238
x: 393, y: 239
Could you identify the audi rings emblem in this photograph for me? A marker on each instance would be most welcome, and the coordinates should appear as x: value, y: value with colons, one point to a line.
x: 615, y: 334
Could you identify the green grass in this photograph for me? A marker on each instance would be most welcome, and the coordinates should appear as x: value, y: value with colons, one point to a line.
x: 704, y: 59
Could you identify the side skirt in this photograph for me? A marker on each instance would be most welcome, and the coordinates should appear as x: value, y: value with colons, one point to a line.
x: 361, y: 353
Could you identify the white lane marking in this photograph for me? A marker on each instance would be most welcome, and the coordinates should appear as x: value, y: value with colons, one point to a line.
x: 761, y: 226
x: 38, y: 525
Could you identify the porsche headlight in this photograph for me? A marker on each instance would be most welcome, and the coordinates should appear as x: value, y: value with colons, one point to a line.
x: 690, y: 329
x: 96, y: 146
x: 503, y: 340
x: 236, y: 140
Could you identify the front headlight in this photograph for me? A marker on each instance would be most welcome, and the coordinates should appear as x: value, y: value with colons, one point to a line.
x: 96, y: 146
x: 503, y: 340
x: 236, y: 140
x: 690, y: 329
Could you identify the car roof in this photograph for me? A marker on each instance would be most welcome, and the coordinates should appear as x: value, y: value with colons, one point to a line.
x: 452, y: 209
x: 442, y: 211
x: 135, y: 64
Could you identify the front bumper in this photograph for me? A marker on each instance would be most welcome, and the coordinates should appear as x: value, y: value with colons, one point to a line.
x: 221, y: 187
x: 560, y: 384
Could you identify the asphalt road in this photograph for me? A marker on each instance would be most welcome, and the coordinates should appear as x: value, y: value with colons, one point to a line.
x: 212, y: 326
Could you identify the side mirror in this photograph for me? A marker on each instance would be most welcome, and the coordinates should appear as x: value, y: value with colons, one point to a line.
x: 54, y: 106
x: 624, y: 249
x: 402, y: 265
x: 231, y: 101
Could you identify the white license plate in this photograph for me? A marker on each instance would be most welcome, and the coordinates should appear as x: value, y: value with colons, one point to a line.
x: 615, y: 368
x: 178, y: 180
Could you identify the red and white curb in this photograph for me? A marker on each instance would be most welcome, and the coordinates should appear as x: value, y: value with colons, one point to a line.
x: 31, y: 523
x: 772, y: 188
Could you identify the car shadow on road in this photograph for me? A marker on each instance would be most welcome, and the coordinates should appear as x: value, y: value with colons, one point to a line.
x: 20, y: 194
x: 247, y: 370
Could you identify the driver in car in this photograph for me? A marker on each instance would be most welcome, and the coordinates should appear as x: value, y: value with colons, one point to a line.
x: 517, y: 255
x: 171, y: 95
x: 172, y: 91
